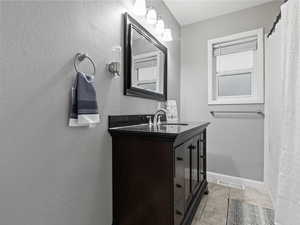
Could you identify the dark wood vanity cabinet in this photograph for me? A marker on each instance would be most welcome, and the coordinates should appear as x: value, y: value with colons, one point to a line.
x: 158, y: 179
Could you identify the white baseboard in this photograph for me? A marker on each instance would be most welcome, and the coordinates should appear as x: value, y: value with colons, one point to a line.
x: 272, y: 197
x: 236, y: 182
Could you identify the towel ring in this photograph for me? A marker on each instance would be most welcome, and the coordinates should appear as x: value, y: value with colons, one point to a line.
x: 80, y: 57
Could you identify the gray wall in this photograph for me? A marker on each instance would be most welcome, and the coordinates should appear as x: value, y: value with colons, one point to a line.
x: 51, y: 174
x: 235, y: 145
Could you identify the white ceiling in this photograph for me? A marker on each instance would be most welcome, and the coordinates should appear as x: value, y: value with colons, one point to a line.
x: 191, y: 11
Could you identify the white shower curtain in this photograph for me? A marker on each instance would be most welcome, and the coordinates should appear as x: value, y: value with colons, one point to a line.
x: 287, y: 209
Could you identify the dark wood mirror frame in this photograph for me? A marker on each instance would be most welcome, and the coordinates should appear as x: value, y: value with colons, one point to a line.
x: 129, y: 24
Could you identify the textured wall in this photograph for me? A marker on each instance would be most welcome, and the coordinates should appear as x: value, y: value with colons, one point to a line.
x: 235, y: 145
x: 51, y: 174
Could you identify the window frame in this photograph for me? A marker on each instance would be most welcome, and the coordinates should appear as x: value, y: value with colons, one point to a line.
x: 257, y: 81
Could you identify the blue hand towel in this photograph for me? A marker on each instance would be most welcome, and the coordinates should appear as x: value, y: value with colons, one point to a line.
x: 84, y: 107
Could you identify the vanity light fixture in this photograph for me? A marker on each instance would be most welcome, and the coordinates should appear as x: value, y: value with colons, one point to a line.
x: 160, y: 27
x: 167, y: 36
x: 151, y: 16
x: 139, y: 7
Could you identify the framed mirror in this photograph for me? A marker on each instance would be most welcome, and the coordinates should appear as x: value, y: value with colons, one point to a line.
x: 145, y: 62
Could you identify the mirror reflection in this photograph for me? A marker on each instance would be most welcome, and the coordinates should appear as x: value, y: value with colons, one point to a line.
x: 147, y: 64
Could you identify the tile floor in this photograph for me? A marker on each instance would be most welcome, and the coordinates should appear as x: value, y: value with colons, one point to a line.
x: 213, y: 208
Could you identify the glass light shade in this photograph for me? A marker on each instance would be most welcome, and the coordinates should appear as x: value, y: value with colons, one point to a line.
x: 167, y: 36
x: 152, y: 16
x: 160, y: 27
x: 139, y: 7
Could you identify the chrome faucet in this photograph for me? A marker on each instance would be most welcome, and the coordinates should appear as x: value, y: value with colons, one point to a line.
x: 158, y: 113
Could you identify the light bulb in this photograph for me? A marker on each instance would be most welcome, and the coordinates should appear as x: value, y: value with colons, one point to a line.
x: 139, y: 7
x: 152, y: 16
x: 167, y: 36
x: 160, y: 27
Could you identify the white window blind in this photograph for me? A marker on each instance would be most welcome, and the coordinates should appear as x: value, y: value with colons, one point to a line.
x: 235, y: 62
x: 146, y: 62
x: 235, y: 47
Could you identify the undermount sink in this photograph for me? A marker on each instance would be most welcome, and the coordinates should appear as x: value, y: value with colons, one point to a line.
x: 177, y: 124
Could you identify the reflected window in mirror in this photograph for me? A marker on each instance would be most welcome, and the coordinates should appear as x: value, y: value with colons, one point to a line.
x: 147, y: 64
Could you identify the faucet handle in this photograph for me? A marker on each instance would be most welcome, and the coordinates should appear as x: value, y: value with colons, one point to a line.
x: 149, y: 121
x: 159, y: 119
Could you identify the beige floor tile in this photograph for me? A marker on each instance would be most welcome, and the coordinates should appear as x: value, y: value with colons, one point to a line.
x: 201, y: 208
x: 215, y: 210
x: 195, y: 221
x: 218, y: 191
x: 251, y: 196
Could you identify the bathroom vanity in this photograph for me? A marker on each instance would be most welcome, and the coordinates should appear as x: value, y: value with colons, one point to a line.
x: 159, y: 172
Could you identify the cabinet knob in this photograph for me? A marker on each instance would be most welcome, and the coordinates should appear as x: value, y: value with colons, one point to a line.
x: 178, y: 212
x: 179, y: 185
x: 179, y: 158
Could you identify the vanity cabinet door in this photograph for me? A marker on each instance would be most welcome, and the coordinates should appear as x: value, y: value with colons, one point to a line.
x: 200, y: 158
x: 197, y: 161
x: 188, y: 172
x: 194, y: 151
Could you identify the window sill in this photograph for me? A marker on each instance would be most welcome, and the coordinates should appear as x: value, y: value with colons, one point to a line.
x: 235, y: 101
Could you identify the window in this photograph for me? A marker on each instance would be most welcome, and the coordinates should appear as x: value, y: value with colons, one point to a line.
x: 235, y: 69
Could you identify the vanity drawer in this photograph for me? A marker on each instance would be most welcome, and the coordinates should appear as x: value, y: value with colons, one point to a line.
x: 179, y: 162
x: 178, y: 217
x: 202, y: 157
x: 179, y: 201
x: 179, y: 194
